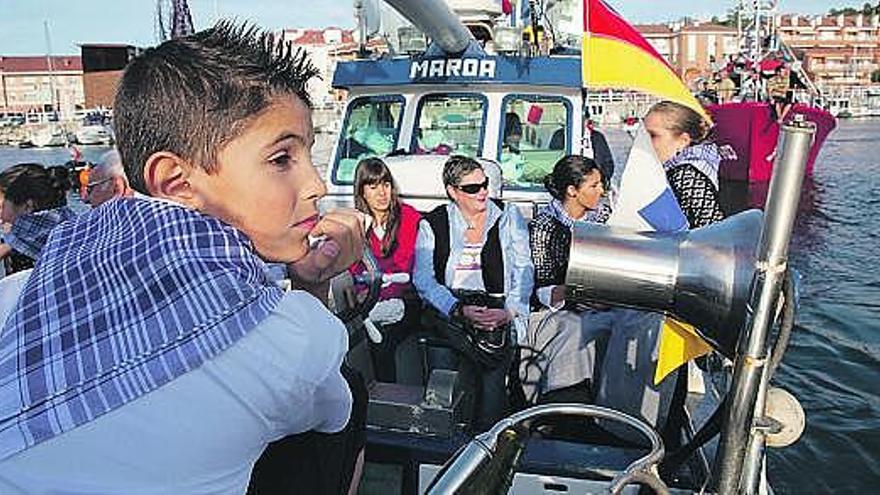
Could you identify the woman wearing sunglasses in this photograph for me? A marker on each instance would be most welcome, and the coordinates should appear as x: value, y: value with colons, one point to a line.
x: 474, y: 270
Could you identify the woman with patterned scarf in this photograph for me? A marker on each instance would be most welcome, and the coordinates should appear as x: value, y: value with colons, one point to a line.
x: 34, y: 201
x: 679, y: 136
x: 559, y: 362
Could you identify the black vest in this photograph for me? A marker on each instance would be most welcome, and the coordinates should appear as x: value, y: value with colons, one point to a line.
x: 491, y: 257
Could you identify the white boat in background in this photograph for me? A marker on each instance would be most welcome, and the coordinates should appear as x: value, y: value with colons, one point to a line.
x: 95, y: 134
x: 49, y: 137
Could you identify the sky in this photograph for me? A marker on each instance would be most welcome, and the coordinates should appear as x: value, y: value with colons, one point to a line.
x: 72, y: 22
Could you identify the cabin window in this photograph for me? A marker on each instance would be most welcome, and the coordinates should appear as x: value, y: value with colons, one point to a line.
x: 535, y: 134
x: 449, y: 124
x: 371, y: 128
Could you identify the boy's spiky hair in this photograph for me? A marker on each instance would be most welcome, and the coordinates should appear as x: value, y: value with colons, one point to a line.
x: 191, y: 96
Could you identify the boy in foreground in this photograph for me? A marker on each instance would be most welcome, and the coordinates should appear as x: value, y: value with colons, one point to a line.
x: 148, y: 351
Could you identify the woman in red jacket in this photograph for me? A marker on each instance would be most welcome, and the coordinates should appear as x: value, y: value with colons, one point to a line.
x: 392, y: 238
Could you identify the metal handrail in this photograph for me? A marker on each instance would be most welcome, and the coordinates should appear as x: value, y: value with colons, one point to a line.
x: 458, y: 470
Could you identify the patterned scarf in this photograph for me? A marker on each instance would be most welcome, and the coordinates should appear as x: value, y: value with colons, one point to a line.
x: 124, y: 299
x: 29, y: 232
x: 558, y: 212
x: 597, y: 215
x: 705, y: 157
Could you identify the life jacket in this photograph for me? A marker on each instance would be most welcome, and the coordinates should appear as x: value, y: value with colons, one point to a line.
x: 491, y: 257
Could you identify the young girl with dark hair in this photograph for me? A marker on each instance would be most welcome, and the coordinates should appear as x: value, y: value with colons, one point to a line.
x: 34, y: 201
x: 392, y: 238
x: 564, y: 367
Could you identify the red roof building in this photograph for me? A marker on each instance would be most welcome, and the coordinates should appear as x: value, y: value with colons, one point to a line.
x: 839, y: 52
x: 326, y: 47
x: 40, y: 64
x: 39, y: 84
x: 693, y: 49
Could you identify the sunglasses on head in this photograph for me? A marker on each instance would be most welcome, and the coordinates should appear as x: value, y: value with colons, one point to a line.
x: 473, y: 188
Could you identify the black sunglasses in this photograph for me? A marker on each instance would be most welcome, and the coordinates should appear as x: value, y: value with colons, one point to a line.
x: 474, y: 188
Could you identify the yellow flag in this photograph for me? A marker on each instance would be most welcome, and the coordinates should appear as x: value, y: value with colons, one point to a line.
x: 615, y: 55
x: 679, y: 343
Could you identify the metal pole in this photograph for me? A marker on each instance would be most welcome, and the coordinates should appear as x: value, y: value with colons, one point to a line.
x: 751, y: 359
x: 739, y: 31
x: 752, y: 463
x: 436, y: 20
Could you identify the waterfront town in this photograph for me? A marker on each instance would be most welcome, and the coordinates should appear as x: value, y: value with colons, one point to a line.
x: 839, y: 52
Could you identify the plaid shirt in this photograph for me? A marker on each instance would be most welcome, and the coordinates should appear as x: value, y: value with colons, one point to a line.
x: 30, y: 232
x: 123, y: 299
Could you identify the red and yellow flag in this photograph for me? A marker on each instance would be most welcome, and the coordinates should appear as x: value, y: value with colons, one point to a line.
x: 615, y: 55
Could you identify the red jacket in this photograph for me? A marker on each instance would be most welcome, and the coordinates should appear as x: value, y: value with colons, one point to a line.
x: 401, y: 259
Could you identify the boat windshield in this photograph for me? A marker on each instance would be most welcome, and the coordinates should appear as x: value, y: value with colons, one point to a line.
x: 371, y: 128
x: 449, y: 124
x: 535, y: 134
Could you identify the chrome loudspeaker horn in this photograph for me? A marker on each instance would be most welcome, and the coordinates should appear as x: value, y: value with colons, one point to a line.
x: 700, y: 276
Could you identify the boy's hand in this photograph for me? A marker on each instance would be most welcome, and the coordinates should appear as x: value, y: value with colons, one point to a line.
x: 343, y: 243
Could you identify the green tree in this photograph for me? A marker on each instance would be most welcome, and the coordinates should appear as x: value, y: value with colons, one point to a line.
x: 867, y: 9
x: 875, y: 76
x: 844, y: 11
x: 730, y: 18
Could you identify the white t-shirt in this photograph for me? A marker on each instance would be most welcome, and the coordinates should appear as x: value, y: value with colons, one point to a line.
x: 468, y: 272
x: 202, y: 432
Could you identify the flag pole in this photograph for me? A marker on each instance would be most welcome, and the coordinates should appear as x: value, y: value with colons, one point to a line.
x: 740, y: 454
x: 586, y: 57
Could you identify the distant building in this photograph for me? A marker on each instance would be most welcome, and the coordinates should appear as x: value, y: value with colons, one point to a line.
x: 839, y: 52
x: 325, y: 47
x: 103, y: 65
x: 41, y: 85
x: 693, y: 49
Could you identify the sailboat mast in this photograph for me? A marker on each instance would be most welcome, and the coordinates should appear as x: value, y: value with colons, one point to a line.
x: 53, y: 97
x: 160, y: 33
x: 756, y: 31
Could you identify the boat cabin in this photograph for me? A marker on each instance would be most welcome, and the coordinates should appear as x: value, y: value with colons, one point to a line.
x: 517, y: 115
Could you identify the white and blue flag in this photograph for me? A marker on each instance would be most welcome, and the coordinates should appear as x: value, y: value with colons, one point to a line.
x: 644, y: 201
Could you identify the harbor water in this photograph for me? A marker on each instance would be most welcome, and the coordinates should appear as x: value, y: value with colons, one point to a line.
x: 833, y: 362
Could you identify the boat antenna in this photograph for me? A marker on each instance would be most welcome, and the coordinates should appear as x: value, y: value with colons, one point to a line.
x: 360, y: 15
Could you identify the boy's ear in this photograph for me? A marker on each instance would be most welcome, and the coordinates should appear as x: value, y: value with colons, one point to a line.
x: 167, y: 176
